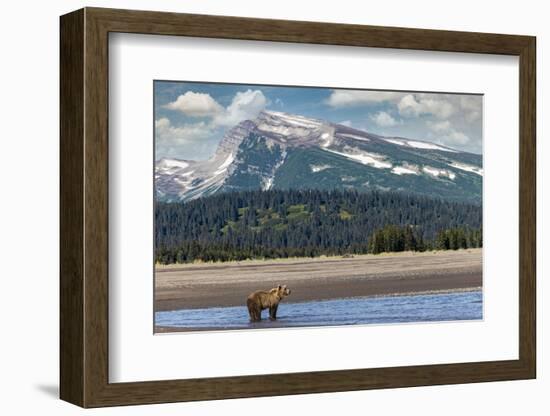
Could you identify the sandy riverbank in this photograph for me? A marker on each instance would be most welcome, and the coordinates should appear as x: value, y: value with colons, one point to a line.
x: 228, y: 284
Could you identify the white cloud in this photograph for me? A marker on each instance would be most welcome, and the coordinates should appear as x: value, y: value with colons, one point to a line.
x: 454, y: 138
x: 245, y: 105
x: 408, y: 105
x: 439, y: 126
x: 472, y: 106
x: 384, y: 119
x: 471, y: 103
x: 196, y: 104
x: 421, y: 104
x: 473, y: 116
x: 348, y: 98
x: 200, y: 138
x: 162, y: 124
x: 165, y: 131
x: 448, y: 134
x: 346, y: 123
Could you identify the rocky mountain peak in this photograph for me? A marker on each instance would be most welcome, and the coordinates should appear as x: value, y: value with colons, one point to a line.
x: 284, y: 150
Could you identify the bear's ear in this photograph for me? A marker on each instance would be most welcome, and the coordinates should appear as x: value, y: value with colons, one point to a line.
x: 280, y: 287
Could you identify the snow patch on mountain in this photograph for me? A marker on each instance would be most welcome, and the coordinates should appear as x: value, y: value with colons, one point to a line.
x: 295, y: 120
x: 284, y: 130
x: 327, y: 139
x: 396, y: 141
x: 286, y: 125
x: 406, y: 169
x: 182, y: 181
x: 223, y: 167
x: 355, y: 137
x: 319, y: 168
x: 439, y: 172
x: 467, y: 168
x: 365, y: 158
x: 267, y: 182
x: 419, y: 144
x: 172, y: 163
x: 426, y: 145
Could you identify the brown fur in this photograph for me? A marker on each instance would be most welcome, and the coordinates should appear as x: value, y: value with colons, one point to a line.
x: 261, y: 299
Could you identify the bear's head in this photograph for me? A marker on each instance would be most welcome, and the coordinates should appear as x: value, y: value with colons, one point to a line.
x: 282, y: 291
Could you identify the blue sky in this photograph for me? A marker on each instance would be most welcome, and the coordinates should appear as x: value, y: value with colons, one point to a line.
x: 191, y: 118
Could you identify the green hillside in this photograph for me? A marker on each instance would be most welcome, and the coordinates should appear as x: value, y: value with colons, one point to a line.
x: 289, y: 223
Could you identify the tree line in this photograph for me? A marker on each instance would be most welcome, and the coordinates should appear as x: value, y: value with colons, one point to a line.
x: 394, y: 238
x: 309, y: 223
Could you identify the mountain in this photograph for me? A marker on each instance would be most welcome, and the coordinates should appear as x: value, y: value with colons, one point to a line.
x: 286, y: 151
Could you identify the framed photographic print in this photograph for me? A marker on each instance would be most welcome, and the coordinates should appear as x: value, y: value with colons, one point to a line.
x: 306, y: 200
x: 256, y: 207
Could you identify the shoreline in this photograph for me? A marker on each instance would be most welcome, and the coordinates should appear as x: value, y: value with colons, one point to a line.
x: 161, y: 268
x: 286, y: 301
x: 197, y: 286
x: 265, y: 324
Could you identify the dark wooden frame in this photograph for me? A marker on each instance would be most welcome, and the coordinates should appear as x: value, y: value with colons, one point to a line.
x: 84, y: 207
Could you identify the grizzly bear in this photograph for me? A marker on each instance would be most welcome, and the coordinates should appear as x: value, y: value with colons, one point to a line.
x: 261, y: 299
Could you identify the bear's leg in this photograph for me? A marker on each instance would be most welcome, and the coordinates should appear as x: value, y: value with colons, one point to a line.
x: 273, y: 312
x: 252, y: 311
x: 255, y: 313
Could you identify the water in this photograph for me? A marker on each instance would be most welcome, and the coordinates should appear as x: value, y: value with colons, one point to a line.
x: 378, y: 310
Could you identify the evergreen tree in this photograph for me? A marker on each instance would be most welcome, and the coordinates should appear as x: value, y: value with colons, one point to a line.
x: 294, y: 223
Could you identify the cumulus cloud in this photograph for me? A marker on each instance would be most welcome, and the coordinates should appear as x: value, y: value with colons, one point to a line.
x: 165, y: 131
x: 421, y: 104
x: 447, y: 134
x: 454, y: 138
x: 439, y: 126
x: 196, y: 104
x: 349, y: 98
x: 162, y: 124
x: 244, y: 106
x: 470, y: 102
x: 384, y: 119
x: 202, y: 135
x: 472, y: 107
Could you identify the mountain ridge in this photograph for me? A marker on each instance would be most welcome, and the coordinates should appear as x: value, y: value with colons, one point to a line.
x: 286, y: 151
